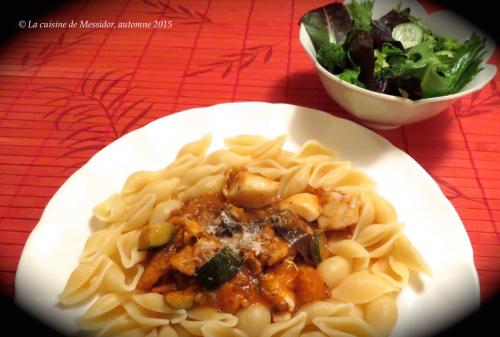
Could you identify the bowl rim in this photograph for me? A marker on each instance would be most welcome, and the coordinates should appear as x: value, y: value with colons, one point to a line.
x: 386, y: 97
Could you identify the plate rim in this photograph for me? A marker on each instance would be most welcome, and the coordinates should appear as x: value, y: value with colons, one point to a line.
x: 23, y: 264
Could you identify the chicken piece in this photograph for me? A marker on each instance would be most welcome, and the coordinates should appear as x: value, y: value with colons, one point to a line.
x: 156, y: 268
x: 340, y: 210
x: 304, y: 204
x: 181, y: 299
x: 183, y: 261
x: 253, y: 264
x: 249, y: 190
x: 277, y: 286
x: 274, y: 249
x: 277, y: 252
x: 191, y: 257
x: 309, y: 286
x: 204, y: 249
x: 164, y: 288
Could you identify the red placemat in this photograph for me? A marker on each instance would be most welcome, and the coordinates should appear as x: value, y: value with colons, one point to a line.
x: 67, y: 92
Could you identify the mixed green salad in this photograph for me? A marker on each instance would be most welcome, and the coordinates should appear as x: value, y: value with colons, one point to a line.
x: 395, y: 54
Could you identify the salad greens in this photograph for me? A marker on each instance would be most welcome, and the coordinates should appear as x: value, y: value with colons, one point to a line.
x: 395, y: 54
x: 361, y: 13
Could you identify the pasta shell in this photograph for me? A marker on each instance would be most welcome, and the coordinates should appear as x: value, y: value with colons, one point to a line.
x: 103, y: 310
x: 253, y: 319
x: 289, y: 328
x: 405, y: 252
x: 343, y: 326
x: 85, y: 280
x: 382, y: 314
x: 362, y: 287
x: 128, y: 249
x: 244, y: 144
x: 295, y: 181
x: 196, y: 148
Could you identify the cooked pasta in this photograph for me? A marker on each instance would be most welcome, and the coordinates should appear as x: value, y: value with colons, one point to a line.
x: 247, y: 241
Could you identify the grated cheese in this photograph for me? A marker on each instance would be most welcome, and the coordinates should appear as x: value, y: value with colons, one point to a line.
x: 247, y: 239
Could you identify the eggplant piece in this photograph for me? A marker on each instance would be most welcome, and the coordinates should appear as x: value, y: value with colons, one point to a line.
x: 327, y: 24
x: 227, y: 225
x: 303, y: 247
x: 284, y: 226
x: 290, y: 235
x: 319, y: 250
x: 155, y: 235
x: 221, y: 268
x: 361, y: 53
x: 296, y: 237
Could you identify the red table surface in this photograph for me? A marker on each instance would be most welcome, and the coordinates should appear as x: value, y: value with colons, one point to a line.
x: 66, y: 93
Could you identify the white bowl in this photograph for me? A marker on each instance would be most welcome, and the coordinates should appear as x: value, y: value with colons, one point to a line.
x: 381, y: 111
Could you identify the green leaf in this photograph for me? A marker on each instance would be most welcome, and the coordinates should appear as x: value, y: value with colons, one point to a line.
x: 316, y: 28
x: 327, y: 24
x: 390, y: 50
x: 380, y: 61
x: 433, y: 82
x: 361, y: 13
x: 444, y: 73
x: 351, y: 76
x: 468, y: 58
x: 447, y: 43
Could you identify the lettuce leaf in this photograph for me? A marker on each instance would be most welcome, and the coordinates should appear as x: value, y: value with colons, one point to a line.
x: 328, y: 24
x: 361, y: 13
x: 351, y: 76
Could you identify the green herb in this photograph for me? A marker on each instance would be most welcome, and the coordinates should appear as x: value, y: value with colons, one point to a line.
x: 465, y: 67
x: 361, y: 13
x: 447, y: 43
x: 421, y: 55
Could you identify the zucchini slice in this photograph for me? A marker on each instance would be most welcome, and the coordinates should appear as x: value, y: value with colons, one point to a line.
x: 155, y: 235
x: 408, y: 33
x: 219, y: 269
x: 319, y: 249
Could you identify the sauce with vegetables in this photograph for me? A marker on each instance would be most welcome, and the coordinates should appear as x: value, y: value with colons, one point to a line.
x: 233, y: 249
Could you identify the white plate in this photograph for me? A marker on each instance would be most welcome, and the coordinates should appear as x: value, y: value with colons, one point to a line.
x: 432, y: 224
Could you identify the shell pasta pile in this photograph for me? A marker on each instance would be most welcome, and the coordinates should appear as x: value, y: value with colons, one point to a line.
x: 249, y: 241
